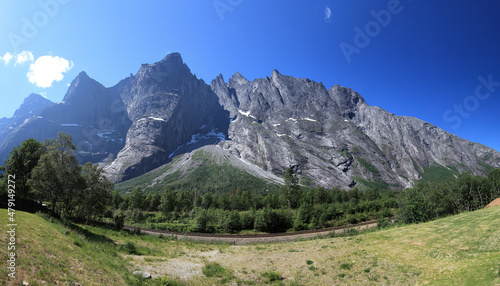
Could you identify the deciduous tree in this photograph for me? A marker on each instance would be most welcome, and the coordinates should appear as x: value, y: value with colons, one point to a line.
x: 57, y: 177
x: 21, y: 162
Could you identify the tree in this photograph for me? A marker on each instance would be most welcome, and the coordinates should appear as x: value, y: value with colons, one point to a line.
x: 232, y: 222
x: 270, y: 220
x: 292, y: 191
x: 118, y: 219
x: 167, y: 203
x: 96, y: 193
x: 3, y: 182
x: 116, y: 199
x: 494, y: 177
x: 201, y: 220
x: 21, y: 162
x: 154, y: 201
x: 235, y: 202
x: 303, y: 217
x: 207, y: 200
x: 413, y: 208
x: 136, y: 199
x: 248, y: 219
x: 272, y: 201
x: 57, y: 177
x: 184, y: 201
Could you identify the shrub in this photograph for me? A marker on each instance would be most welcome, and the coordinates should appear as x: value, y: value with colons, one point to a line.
x: 352, y: 218
x: 303, y: 217
x: 165, y: 281
x: 136, y: 230
x: 135, y: 215
x: 270, y: 220
x: 247, y: 220
x: 272, y: 276
x: 214, y: 269
x: 176, y: 227
x: 385, y: 212
x: 156, y: 218
x: 118, y: 219
x: 382, y: 222
x: 130, y: 248
x: 231, y: 222
x: 346, y: 266
x: 200, y: 221
x: 108, y: 213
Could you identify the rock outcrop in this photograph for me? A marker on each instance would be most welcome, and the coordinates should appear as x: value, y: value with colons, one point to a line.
x: 167, y: 105
x: 333, y: 137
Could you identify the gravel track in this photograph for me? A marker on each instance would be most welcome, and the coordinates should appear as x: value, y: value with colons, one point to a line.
x: 241, y: 239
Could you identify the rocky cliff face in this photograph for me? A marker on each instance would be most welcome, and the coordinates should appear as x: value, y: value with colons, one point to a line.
x: 167, y: 106
x: 29, y: 109
x: 94, y: 117
x: 333, y: 138
x: 330, y: 137
x: 31, y: 106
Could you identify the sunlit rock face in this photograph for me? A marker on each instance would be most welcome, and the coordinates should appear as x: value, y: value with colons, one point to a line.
x: 330, y: 137
x: 333, y: 138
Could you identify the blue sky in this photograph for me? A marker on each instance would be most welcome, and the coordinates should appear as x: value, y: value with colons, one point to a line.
x: 435, y: 60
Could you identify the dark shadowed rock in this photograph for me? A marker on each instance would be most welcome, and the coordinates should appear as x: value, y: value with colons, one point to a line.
x: 167, y: 105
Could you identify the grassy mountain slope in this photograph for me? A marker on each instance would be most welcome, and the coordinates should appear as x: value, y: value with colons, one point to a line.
x: 457, y: 250
x: 56, y: 254
x: 209, y: 168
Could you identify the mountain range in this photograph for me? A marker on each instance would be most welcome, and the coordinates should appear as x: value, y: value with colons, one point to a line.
x: 164, y: 114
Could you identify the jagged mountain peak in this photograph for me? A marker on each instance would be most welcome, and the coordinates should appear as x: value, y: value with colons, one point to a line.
x: 81, y: 87
x: 170, y: 64
x: 347, y: 99
x: 32, y: 105
x: 219, y: 80
x: 275, y: 73
x: 82, y: 75
x: 35, y: 96
x: 238, y: 79
x: 172, y: 58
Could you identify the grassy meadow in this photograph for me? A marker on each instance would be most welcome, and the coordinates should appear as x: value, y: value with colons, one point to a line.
x: 456, y: 250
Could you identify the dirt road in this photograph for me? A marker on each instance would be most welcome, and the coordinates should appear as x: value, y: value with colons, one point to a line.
x: 256, y: 238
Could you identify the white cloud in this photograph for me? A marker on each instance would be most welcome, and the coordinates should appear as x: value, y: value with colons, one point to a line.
x: 47, y: 69
x: 24, y: 56
x: 6, y: 58
x: 44, y: 94
x: 328, y: 14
